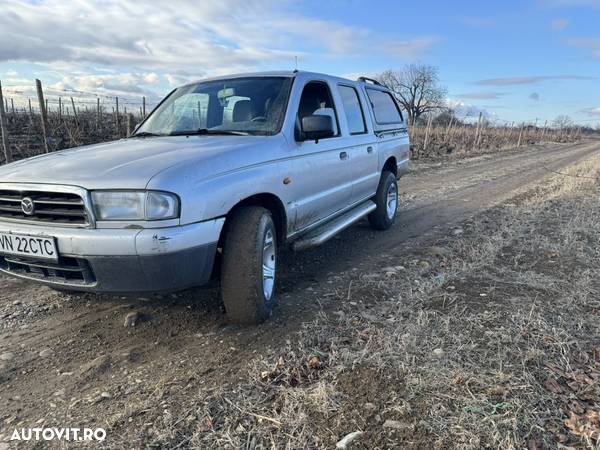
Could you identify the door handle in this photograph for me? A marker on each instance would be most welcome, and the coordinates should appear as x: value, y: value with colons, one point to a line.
x: 343, y: 155
x: 369, y: 149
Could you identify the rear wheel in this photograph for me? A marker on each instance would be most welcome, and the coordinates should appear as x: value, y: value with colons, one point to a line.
x: 248, y: 271
x: 386, y: 200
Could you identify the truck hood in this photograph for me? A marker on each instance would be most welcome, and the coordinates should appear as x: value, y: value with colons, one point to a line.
x: 123, y: 164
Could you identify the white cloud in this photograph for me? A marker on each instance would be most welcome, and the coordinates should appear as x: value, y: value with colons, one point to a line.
x: 592, y: 112
x: 126, y: 84
x: 151, y: 78
x: 179, y: 77
x: 467, y: 110
x: 212, y: 36
x: 482, y: 95
x: 512, y: 81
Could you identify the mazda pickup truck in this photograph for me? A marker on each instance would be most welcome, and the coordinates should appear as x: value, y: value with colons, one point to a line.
x: 212, y: 184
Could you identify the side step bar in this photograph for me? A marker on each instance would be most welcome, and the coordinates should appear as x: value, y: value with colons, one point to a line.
x: 330, y: 229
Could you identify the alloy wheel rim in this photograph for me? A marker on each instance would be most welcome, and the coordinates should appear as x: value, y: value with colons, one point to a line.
x: 269, y: 264
x: 392, y: 200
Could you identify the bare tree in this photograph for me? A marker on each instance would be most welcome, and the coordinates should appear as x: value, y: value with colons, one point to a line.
x: 417, y: 88
x: 562, y: 122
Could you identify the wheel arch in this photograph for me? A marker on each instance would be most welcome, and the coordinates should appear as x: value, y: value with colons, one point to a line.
x: 268, y: 201
x: 391, y: 165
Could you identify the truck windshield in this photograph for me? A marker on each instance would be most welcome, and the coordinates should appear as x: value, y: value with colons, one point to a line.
x: 236, y: 106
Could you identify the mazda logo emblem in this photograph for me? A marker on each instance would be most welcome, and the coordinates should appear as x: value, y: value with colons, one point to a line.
x: 27, y: 206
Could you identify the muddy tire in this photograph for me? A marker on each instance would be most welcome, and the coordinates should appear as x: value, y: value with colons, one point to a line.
x: 386, y: 200
x: 248, y: 270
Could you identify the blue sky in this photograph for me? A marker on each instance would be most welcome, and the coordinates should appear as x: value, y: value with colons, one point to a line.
x: 514, y: 60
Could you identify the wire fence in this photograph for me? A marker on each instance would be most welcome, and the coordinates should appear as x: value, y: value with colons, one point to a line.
x: 31, y: 127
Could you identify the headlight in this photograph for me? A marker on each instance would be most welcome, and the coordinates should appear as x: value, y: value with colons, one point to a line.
x: 160, y: 205
x: 135, y: 205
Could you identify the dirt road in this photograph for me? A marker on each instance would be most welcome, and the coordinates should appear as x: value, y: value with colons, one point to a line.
x: 68, y: 360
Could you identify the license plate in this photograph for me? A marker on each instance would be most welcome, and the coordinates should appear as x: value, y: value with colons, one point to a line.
x: 29, y: 246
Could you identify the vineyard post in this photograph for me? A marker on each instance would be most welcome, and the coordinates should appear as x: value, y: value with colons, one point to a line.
x: 97, y: 113
x: 30, y: 109
x: 59, y: 108
x: 521, y: 134
x: 544, y: 130
x: 7, y: 152
x: 43, y: 106
x: 427, y: 130
x: 480, y: 130
x: 12, y: 107
x: 130, y: 126
x: 477, y: 130
x: 447, y: 137
x: 75, y: 113
x: 117, y: 116
x: 144, y: 107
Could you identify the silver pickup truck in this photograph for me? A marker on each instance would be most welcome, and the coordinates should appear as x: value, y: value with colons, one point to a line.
x: 219, y: 177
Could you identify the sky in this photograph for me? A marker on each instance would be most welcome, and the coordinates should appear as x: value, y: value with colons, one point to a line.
x: 522, y: 61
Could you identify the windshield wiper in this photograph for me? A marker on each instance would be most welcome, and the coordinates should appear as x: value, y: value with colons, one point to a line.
x: 146, y: 134
x: 207, y: 131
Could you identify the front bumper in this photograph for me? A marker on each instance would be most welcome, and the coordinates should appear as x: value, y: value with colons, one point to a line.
x: 121, y: 260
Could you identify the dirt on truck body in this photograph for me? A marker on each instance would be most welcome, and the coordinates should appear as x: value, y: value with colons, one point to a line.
x: 472, y: 323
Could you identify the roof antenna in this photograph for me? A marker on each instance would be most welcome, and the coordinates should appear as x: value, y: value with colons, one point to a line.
x: 296, y: 63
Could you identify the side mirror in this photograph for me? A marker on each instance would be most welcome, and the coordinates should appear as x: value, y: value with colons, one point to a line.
x: 316, y: 127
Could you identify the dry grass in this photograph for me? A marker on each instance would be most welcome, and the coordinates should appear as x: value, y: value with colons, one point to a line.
x: 489, y: 339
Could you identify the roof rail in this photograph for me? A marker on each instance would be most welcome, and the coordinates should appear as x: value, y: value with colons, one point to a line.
x: 369, y: 80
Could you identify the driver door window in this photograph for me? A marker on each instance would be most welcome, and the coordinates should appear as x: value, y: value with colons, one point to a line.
x: 316, y: 100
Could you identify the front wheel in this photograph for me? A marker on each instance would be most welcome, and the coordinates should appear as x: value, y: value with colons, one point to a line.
x: 386, y: 200
x: 248, y: 271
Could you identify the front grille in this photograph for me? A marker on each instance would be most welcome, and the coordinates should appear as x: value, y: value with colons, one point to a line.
x: 61, y: 208
x: 71, y: 271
